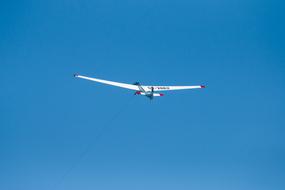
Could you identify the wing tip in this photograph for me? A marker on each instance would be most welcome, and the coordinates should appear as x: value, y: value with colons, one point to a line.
x: 202, y: 86
x: 75, y: 75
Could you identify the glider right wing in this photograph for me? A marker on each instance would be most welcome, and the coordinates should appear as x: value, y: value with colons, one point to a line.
x: 117, y: 84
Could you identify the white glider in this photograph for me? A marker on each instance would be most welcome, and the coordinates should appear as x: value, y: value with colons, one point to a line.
x: 148, y: 91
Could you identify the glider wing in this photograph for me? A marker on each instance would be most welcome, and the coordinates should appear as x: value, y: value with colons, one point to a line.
x: 169, y: 88
x: 118, y: 84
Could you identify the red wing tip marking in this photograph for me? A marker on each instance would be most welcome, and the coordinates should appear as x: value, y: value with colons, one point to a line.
x: 203, y: 86
x: 161, y: 94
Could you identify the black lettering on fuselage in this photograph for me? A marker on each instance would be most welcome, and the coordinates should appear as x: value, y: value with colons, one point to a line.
x: 159, y: 88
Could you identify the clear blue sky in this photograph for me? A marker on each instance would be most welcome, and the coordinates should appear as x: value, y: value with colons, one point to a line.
x: 227, y: 136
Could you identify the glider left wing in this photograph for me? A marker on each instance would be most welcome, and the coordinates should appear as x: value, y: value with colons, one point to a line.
x: 169, y: 88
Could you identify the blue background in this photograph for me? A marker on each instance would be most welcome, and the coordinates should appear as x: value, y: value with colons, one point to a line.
x: 58, y: 132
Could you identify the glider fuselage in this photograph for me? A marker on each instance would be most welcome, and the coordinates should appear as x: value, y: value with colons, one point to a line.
x: 149, y: 92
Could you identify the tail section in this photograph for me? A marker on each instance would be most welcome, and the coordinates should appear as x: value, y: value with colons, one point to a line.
x: 146, y: 94
x: 158, y: 94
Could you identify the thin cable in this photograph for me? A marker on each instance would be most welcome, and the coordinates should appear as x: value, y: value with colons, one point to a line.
x: 83, y: 155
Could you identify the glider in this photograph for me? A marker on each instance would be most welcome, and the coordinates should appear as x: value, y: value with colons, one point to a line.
x: 148, y: 91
